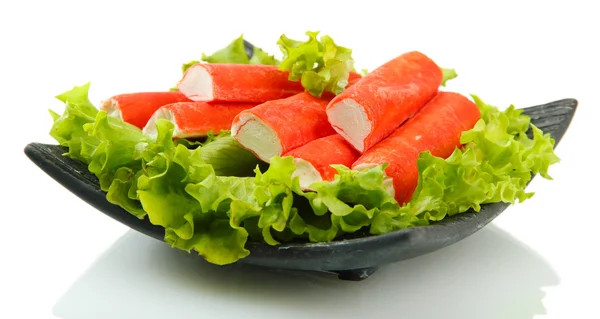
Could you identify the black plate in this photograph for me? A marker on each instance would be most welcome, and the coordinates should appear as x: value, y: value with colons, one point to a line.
x: 351, y: 259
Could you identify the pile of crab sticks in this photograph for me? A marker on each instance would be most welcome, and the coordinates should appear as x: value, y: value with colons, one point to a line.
x: 388, y: 116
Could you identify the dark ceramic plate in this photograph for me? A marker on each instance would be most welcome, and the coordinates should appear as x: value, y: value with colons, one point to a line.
x: 351, y: 258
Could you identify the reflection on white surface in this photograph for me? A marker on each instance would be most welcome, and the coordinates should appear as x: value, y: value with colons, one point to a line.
x: 488, y: 275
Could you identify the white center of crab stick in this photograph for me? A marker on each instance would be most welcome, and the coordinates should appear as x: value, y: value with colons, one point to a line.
x: 306, y: 173
x: 162, y: 113
x: 388, y: 182
x: 349, y: 119
x: 111, y: 107
x: 197, y: 84
x: 255, y: 135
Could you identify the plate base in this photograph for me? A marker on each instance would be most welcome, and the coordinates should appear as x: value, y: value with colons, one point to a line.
x: 355, y: 274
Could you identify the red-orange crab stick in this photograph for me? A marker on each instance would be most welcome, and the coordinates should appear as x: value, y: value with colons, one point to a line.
x: 137, y: 108
x: 196, y: 119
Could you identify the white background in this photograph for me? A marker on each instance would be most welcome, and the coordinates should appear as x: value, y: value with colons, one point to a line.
x: 60, y: 257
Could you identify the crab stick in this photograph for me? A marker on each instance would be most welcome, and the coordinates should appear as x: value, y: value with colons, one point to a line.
x: 437, y: 128
x: 382, y: 100
x: 276, y: 127
x: 137, y: 108
x: 313, y: 160
x: 237, y: 83
x: 353, y: 78
x: 196, y: 119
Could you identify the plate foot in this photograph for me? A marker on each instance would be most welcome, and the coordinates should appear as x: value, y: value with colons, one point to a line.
x: 355, y: 274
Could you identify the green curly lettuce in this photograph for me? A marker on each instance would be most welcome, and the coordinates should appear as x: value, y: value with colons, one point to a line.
x: 68, y: 128
x: 150, y: 177
x: 235, y: 53
x: 228, y: 157
x: 447, y: 75
x: 190, y: 223
x: 319, y: 64
x: 106, y: 144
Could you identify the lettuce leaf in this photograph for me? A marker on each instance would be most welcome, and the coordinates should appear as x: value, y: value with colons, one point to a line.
x: 447, y: 75
x: 229, y: 158
x: 261, y: 57
x: 320, y: 65
x: 123, y: 191
x: 235, y: 52
x: 226, y: 155
x: 213, y: 196
x: 353, y: 198
x: 186, y: 66
x: 107, y: 144
x: 68, y: 128
x: 190, y: 224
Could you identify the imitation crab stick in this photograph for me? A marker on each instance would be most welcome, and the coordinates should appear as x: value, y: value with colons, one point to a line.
x: 196, y: 119
x: 437, y: 128
x: 368, y: 111
x: 353, y: 78
x: 313, y: 160
x: 276, y: 127
x: 237, y: 83
x: 137, y: 108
